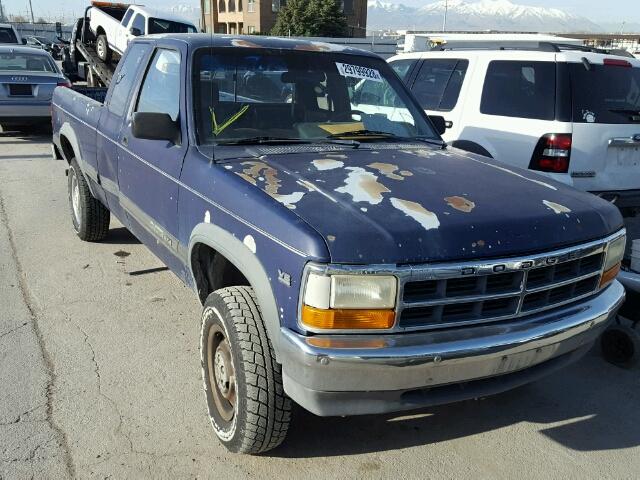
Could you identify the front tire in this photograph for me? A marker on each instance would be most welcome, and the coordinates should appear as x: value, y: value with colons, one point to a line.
x: 89, y: 217
x: 249, y: 411
x: 621, y: 346
x: 102, y: 48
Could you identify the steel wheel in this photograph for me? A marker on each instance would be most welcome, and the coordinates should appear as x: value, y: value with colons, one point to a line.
x: 222, y: 377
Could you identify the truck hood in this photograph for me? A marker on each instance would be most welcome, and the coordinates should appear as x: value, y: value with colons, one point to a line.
x: 412, y: 205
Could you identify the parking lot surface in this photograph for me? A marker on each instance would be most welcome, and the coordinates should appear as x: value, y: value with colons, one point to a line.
x: 100, y: 376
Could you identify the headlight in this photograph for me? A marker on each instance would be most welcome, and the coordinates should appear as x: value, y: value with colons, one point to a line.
x: 613, y: 259
x: 349, y: 302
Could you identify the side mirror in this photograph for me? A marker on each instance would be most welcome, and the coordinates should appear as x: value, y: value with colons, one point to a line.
x: 155, y: 126
x: 439, y: 123
x: 24, y: 41
x: 136, y: 32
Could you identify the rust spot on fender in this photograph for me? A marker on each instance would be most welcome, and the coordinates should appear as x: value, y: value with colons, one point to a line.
x: 460, y: 203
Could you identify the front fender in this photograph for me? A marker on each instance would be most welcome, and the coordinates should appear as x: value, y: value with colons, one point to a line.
x: 248, y: 263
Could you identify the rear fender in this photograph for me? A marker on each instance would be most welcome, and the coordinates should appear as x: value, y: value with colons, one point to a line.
x: 67, y: 132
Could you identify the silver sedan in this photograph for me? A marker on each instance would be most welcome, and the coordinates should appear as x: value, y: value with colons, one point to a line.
x: 28, y: 77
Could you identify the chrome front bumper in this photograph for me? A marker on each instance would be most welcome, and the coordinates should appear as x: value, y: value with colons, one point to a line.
x: 365, y: 374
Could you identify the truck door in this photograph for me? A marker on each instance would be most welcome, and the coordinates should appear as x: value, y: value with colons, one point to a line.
x: 149, y: 169
x: 121, y: 33
x: 135, y: 29
x: 112, y: 118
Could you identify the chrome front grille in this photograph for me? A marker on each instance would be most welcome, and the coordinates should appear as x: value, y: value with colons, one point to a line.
x: 445, y: 296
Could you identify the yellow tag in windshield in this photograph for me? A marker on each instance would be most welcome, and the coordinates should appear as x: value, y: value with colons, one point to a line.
x: 217, y: 129
x: 338, y: 128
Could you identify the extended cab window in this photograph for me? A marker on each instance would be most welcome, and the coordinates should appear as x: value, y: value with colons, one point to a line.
x: 161, y: 88
x: 437, y: 86
x: 157, y: 25
x: 138, y: 23
x: 520, y: 89
x: 125, y: 78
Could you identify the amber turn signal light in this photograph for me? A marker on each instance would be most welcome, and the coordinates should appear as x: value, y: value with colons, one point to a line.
x: 342, y: 319
x: 610, y: 275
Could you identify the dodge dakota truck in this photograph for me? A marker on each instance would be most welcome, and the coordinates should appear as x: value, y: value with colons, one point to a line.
x: 346, y: 258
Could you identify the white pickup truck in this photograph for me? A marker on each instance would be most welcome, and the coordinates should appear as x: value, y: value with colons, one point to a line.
x: 116, y: 24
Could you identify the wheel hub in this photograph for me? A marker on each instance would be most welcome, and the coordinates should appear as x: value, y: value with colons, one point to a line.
x: 222, y: 379
x: 75, y: 198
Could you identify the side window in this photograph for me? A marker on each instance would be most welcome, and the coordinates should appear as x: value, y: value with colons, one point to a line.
x: 127, y: 17
x: 520, y: 89
x: 160, y: 91
x: 438, y: 83
x: 122, y: 83
x: 138, y: 22
x: 403, y: 67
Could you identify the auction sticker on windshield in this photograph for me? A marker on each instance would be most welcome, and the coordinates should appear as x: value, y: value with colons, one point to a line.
x: 355, y: 71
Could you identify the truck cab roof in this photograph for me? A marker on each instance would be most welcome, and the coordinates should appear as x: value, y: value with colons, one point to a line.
x: 200, y: 40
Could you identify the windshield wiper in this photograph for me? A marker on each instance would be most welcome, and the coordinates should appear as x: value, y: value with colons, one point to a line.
x: 266, y: 140
x: 387, y: 135
x: 261, y: 141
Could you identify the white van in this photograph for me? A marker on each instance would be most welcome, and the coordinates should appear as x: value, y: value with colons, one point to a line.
x: 571, y: 113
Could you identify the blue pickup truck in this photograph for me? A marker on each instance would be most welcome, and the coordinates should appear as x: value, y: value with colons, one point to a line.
x: 347, y: 259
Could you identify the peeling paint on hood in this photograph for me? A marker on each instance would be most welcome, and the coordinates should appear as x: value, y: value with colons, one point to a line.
x: 367, y: 215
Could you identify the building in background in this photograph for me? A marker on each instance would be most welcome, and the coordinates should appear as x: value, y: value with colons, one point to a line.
x: 259, y: 16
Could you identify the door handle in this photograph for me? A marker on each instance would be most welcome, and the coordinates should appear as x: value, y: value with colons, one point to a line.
x: 125, y: 141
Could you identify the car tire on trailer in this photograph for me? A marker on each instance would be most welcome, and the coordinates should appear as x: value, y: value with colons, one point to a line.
x: 248, y: 408
x: 89, y: 217
x: 102, y: 48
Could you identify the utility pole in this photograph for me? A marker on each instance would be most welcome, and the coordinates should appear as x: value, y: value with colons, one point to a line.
x: 31, y: 9
x: 444, y: 22
x: 1, y: 12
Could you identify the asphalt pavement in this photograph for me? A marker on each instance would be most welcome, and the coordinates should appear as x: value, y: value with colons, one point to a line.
x: 100, y: 376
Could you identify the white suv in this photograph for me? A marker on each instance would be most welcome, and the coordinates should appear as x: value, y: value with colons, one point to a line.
x: 574, y: 115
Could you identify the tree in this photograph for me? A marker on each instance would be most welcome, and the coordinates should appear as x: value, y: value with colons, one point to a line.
x: 19, y: 19
x: 41, y: 20
x: 326, y: 19
x: 311, y: 18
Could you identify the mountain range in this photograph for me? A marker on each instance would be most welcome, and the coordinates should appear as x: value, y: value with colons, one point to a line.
x: 475, y: 15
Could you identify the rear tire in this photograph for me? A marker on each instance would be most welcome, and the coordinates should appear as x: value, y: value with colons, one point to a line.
x: 89, y: 217
x: 248, y: 408
x: 102, y: 48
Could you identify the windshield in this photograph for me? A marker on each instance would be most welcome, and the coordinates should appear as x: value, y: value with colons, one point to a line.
x: 298, y: 95
x: 7, y: 35
x: 157, y: 25
x: 605, y: 94
x: 27, y: 62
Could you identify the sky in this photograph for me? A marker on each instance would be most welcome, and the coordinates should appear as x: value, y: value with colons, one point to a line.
x: 596, y: 10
